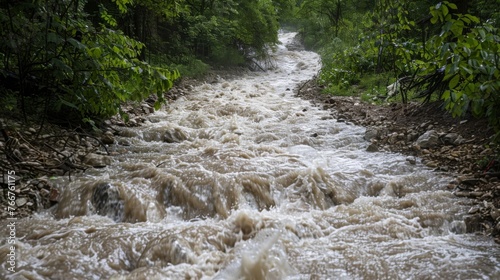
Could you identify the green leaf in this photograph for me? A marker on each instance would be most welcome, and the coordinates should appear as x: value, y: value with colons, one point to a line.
x: 77, y: 44
x: 69, y: 104
x: 474, y: 63
x: 478, y: 107
x: 116, y: 50
x: 482, y: 33
x: 54, y: 38
x: 466, y: 50
x: 61, y: 66
x: 445, y: 10
x: 444, y: 50
x: 466, y: 69
x: 457, y: 28
x: 446, y: 27
x: 95, y: 52
x: 454, y: 81
x: 472, y: 18
x: 484, y: 55
x: 157, y: 105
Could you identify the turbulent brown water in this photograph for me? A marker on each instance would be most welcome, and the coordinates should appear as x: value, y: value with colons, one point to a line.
x: 241, y: 180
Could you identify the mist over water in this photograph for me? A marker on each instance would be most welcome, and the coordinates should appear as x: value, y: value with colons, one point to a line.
x: 240, y: 179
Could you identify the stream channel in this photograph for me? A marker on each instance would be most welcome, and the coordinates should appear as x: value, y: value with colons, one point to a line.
x: 240, y: 179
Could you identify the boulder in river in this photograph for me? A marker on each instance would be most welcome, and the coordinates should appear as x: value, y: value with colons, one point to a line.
x: 371, y: 133
x: 107, y: 202
x: 108, y: 138
x: 372, y: 148
x: 174, y: 135
x: 97, y: 161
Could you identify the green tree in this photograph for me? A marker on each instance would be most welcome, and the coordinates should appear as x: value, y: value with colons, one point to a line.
x: 226, y: 32
x: 53, y: 54
x: 451, y: 49
x: 468, y: 51
x: 332, y: 10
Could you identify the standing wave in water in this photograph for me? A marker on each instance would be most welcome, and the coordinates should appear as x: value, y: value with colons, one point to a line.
x: 240, y: 179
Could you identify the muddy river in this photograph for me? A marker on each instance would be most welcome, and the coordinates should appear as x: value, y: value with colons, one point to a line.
x: 240, y: 179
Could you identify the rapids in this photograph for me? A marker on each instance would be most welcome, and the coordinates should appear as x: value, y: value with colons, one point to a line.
x: 240, y: 179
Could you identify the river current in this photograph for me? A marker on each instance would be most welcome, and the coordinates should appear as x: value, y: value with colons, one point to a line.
x: 240, y: 179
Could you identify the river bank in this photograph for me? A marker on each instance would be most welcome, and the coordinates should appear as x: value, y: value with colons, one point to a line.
x: 462, y: 147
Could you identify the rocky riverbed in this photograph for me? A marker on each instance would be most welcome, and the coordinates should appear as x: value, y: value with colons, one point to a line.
x: 461, y: 147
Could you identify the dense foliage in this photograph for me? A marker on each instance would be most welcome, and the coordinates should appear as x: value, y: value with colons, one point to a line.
x: 86, y: 58
x: 429, y: 49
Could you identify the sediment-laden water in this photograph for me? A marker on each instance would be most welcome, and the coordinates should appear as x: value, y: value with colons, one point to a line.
x: 239, y: 179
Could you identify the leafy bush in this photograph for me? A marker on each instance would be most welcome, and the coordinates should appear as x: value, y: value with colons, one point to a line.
x: 461, y: 64
x: 343, y: 66
x: 468, y: 51
x: 192, y: 67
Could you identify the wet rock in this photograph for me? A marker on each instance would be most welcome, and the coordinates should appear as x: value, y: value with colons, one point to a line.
x: 107, y: 202
x: 428, y: 140
x: 54, y: 195
x: 493, y: 179
x: 295, y: 45
x: 444, y: 168
x: 486, y: 151
x: 468, y: 194
x: 21, y: 201
x: 97, y: 161
x: 174, y: 135
x: 371, y: 133
x: 470, y: 181
x: 495, y: 214
x: 151, y: 99
x: 146, y: 108
x: 473, y: 223
x: 411, y: 160
x: 431, y: 164
x: 124, y: 142
x: 411, y: 136
x: 453, y: 139
x: 108, y: 138
x: 372, y: 148
x: 119, y: 123
x: 392, y: 138
x: 474, y: 210
x: 140, y: 119
x: 132, y: 122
